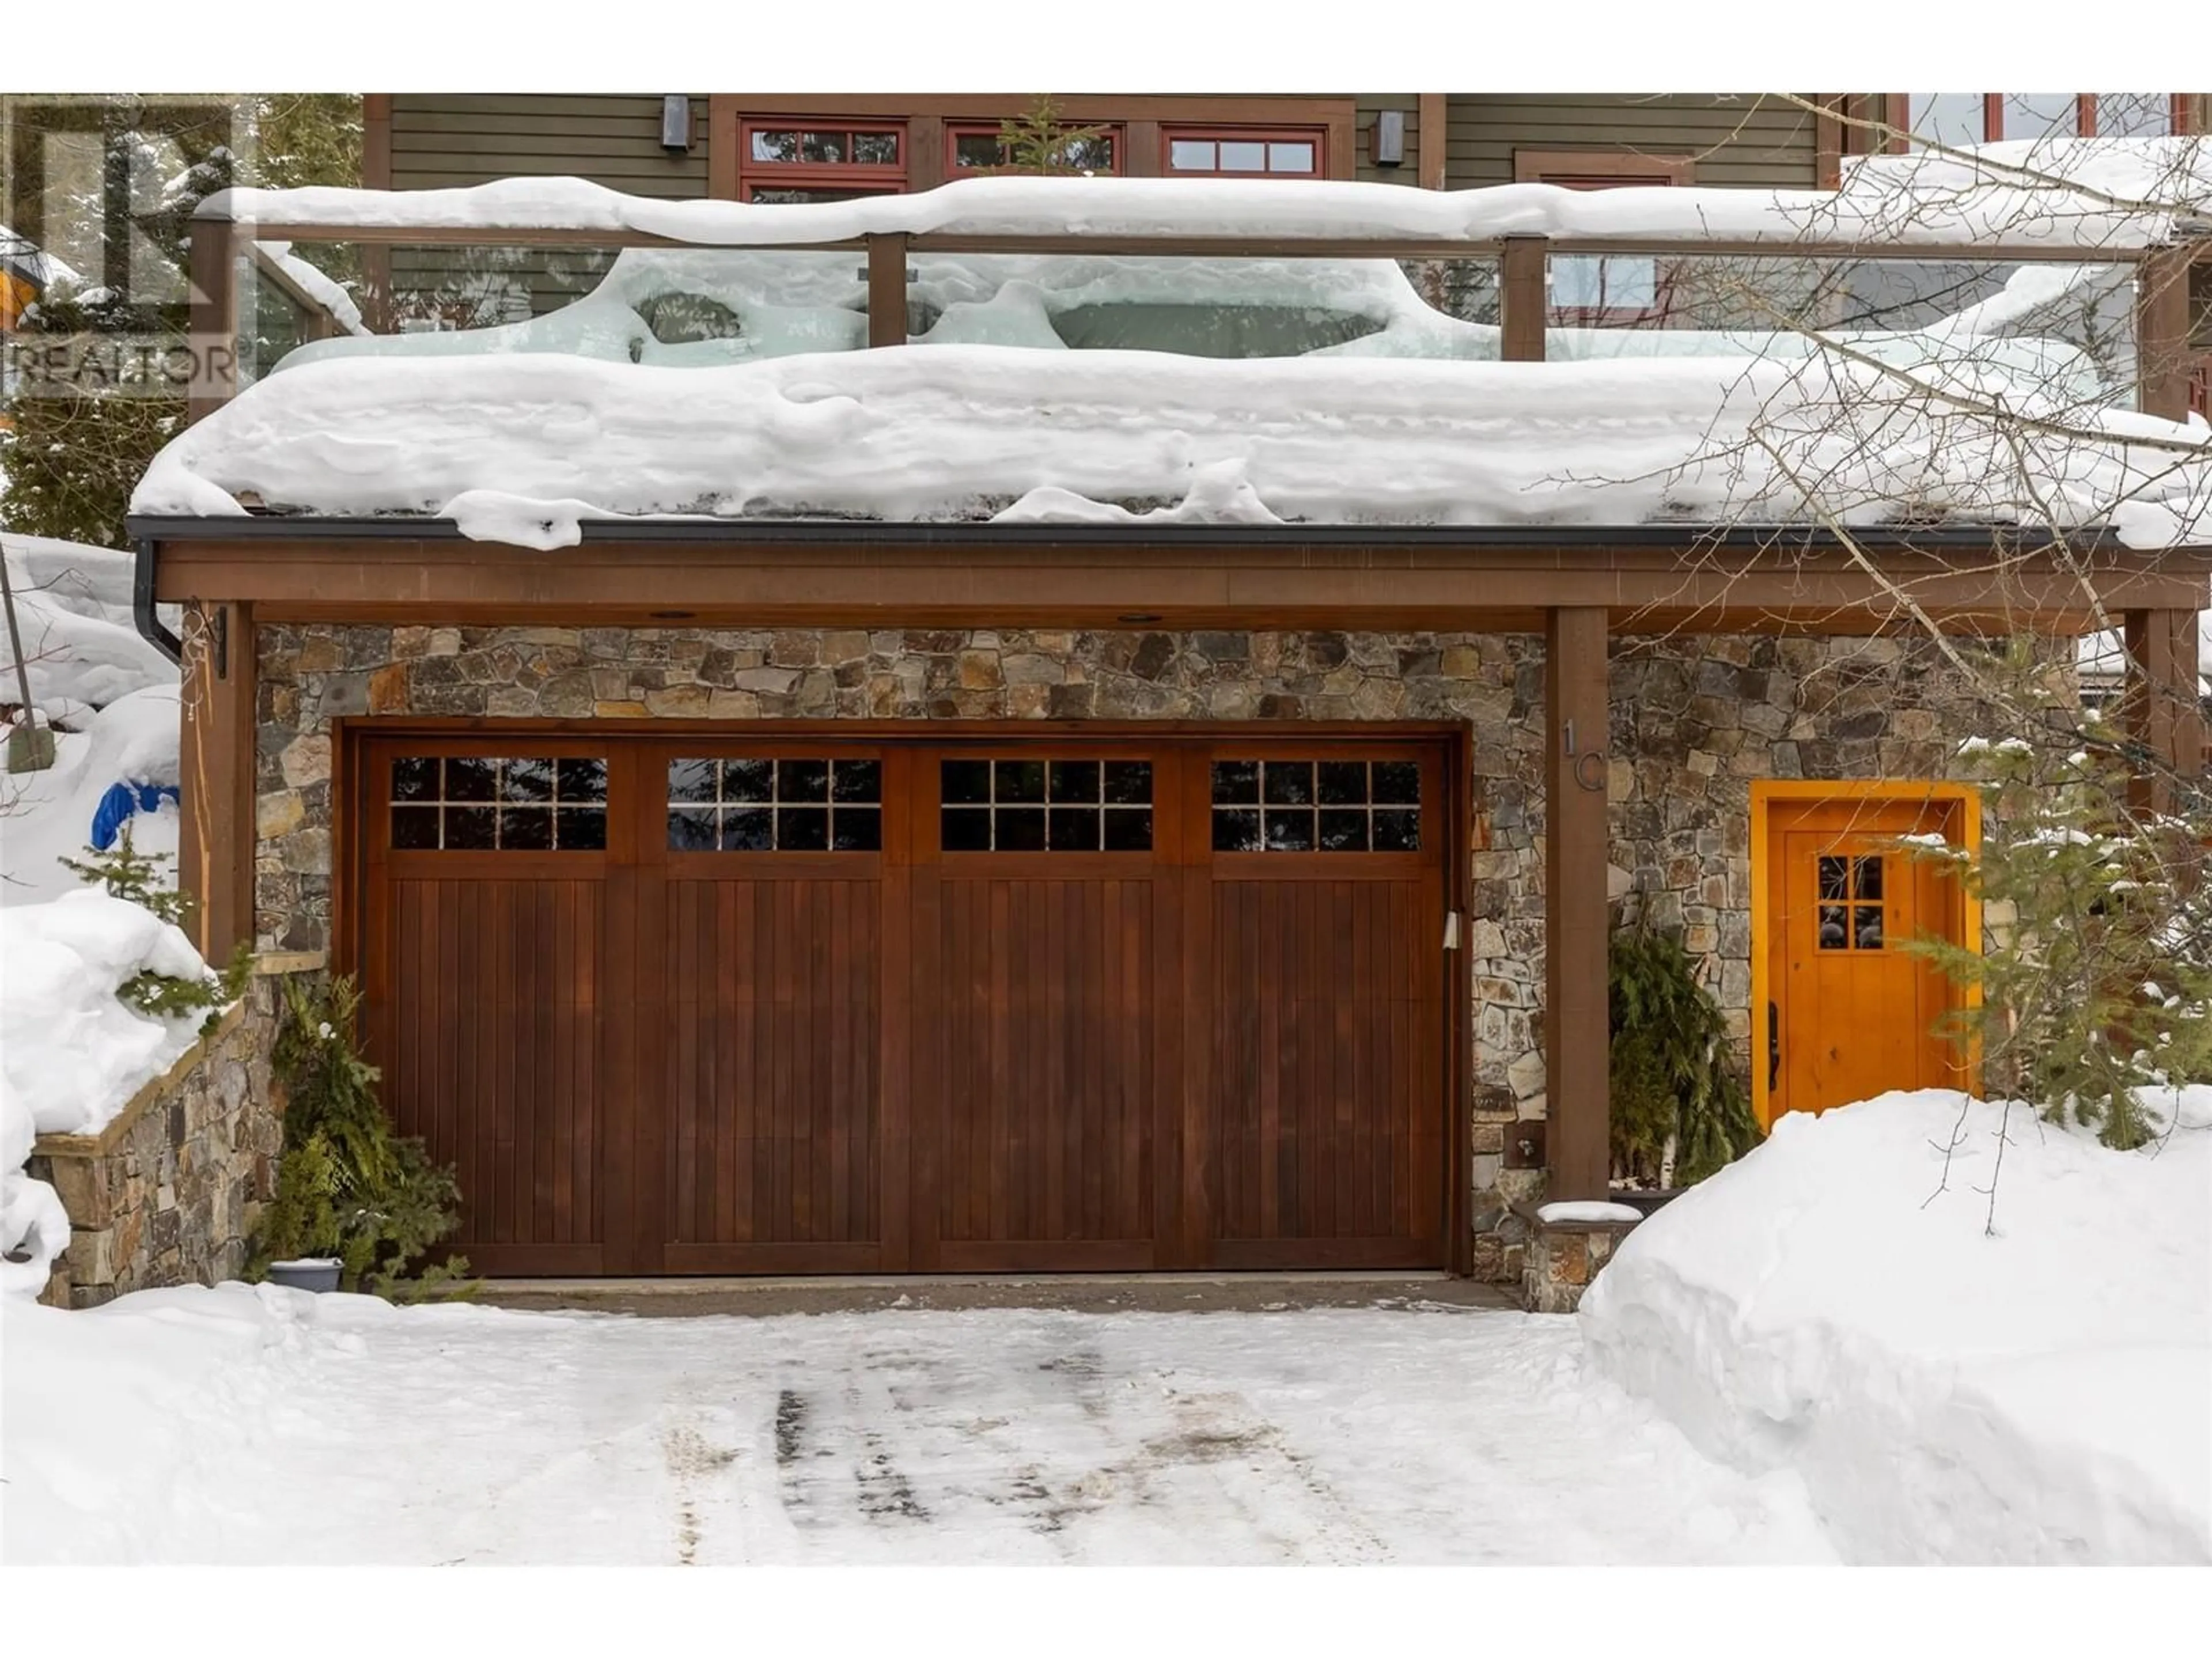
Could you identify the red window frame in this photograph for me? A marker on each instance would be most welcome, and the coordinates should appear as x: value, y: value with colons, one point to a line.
x: 866, y: 177
x: 1115, y: 134
x: 1169, y: 134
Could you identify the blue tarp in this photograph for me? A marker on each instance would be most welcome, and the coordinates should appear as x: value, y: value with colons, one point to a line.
x: 125, y: 801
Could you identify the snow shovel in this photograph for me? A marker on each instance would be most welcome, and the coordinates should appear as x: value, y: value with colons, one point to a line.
x: 30, y: 746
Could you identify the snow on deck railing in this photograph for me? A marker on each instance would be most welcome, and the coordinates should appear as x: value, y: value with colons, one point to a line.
x: 1912, y: 203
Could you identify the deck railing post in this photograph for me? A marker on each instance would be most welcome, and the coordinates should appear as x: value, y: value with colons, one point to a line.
x: 1521, y: 299
x: 2162, y: 357
x: 213, y: 320
x: 886, y: 290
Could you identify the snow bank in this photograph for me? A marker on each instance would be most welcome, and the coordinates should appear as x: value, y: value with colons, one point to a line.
x: 92, y: 582
x: 47, y: 816
x: 67, y: 1045
x: 1899, y: 206
x: 33, y: 1227
x: 2037, y: 1397
x: 162, y: 1374
x: 923, y: 432
x: 80, y: 643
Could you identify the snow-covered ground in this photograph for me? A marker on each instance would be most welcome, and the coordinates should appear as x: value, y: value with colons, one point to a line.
x: 264, y: 1425
x: 1832, y: 1306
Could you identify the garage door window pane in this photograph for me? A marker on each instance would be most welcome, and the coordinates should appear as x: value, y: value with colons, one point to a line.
x: 1045, y: 806
x: 506, y: 803
x: 691, y: 780
x: 1326, y: 806
x: 415, y: 828
x: 691, y: 830
x: 751, y: 803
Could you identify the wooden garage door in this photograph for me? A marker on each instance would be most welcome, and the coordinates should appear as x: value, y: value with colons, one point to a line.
x: 788, y: 1003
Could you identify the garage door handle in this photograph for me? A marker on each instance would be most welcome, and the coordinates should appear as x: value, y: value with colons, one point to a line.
x: 1773, y: 1046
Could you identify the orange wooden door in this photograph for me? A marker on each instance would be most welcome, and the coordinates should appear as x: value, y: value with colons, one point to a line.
x: 1852, y: 1011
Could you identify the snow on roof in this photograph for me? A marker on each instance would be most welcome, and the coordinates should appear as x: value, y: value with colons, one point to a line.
x: 522, y: 448
x: 1901, y: 200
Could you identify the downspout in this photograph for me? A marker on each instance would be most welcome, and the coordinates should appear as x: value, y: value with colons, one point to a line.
x: 141, y: 605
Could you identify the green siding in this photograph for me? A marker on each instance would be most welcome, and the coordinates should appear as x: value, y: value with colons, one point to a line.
x: 1736, y: 138
x: 441, y: 139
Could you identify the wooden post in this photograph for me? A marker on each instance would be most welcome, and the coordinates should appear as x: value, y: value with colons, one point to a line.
x: 887, y: 291
x: 1431, y: 127
x: 1577, y: 1075
x: 2162, y: 360
x: 214, y: 861
x: 376, y: 174
x: 1828, y: 140
x: 213, y: 318
x: 2160, y: 708
x: 1522, y: 300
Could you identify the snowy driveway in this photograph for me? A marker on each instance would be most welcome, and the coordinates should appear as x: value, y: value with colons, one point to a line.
x: 1361, y: 1435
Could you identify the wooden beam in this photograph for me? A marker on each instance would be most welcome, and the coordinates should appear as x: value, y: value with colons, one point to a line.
x: 1577, y: 1075
x: 2163, y: 359
x: 214, y: 861
x: 1521, y: 299
x: 1432, y: 125
x: 886, y: 290
x: 2160, y: 709
x: 213, y: 264
x: 1451, y: 584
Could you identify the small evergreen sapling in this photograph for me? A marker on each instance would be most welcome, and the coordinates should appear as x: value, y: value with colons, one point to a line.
x: 139, y: 879
x: 2094, y: 986
x: 1038, y: 142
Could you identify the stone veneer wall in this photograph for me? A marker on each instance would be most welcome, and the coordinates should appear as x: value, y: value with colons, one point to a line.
x: 168, y: 1194
x: 1695, y: 719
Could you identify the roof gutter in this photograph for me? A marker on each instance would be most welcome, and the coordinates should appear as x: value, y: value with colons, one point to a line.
x: 142, y: 609
x: 800, y: 532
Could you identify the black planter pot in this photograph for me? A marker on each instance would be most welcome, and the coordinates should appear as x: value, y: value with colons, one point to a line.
x: 308, y: 1273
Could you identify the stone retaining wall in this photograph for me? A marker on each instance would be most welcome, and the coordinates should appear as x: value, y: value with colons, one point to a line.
x: 1695, y: 719
x: 1561, y: 1258
x: 168, y: 1194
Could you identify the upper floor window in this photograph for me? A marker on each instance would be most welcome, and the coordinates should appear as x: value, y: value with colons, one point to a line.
x: 2132, y: 114
x: 970, y: 146
x: 818, y: 161
x: 1244, y: 153
x: 1963, y: 118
